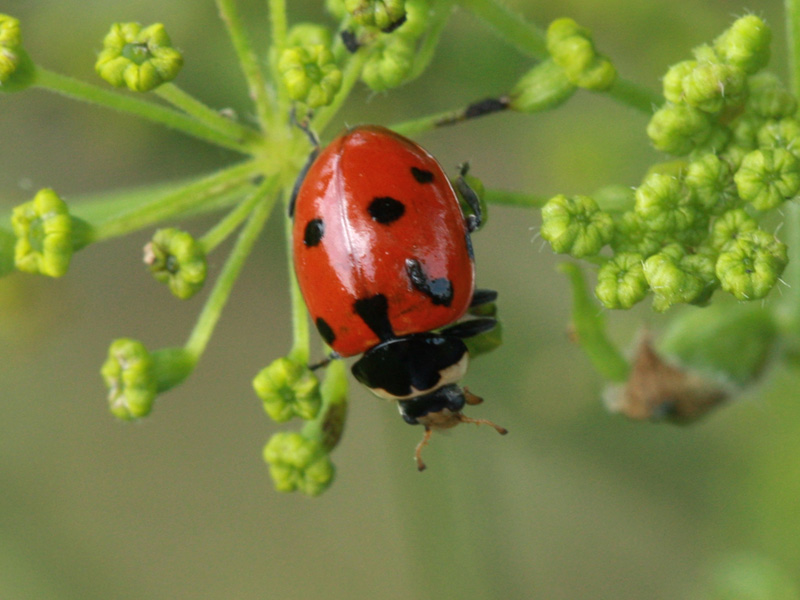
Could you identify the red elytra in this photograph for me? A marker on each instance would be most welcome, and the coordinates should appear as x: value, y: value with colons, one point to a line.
x: 370, y: 202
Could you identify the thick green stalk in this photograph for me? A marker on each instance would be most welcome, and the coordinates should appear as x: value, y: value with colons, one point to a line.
x: 220, y: 232
x: 193, y: 107
x: 212, y: 310
x: 248, y: 60
x: 186, y: 199
x: 513, y: 28
x: 87, y: 92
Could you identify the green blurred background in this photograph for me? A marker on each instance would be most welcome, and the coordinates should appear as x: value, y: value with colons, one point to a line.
x: 573, y: 504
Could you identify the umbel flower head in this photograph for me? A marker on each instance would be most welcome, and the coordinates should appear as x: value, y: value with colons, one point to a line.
x: 136, y: 58
x: 383, y: 14
x: 310, y: 74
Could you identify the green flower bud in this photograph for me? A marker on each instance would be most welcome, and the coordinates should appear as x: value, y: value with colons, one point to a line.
x: 308, y: 34
x: 781, y: 134
x: 136, y: 58
x: 710, y: 183
x: 129, y: 375
x: 544, y: 87
x: 621, y: 282
x: 288, y: 389
x: 310, y: 75
x: 298, y: 464
x: 769, y: 98
x: 750, y: 266
x: 417, y: 18
x: 730, y: 225
x: 664, y: 204
x: 745, y: 44
x: 676, y: 277
x: 336, y: 8
x: 632, y: 234
x: 177, y: 259
x: 711, y: 86
x: 576, y: 226
x: 673, y: 81
x: 135, y: 376
x: 383, y: 14
x: 677, y: 128
x: 745, y: 130
x: 767, y: 178
x: 572, y: 48
x: 702, y: 340
x: 390, y: 63
x: 44, y: 231
x: 16, y: 69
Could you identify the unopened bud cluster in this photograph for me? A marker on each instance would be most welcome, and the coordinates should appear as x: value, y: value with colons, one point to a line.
x: 692, y: 226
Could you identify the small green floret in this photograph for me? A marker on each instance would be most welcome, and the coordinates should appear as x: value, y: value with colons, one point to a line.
x: 383, y: 14
x: 299, y: 464
x: 572, y: 48
x: 136, y: 58
x: 177, y: 259
x: 621, y: 282
x: 576, y: 226
x: 745, y: 44
x: 288, y: 389
x: 310, y: 74
x: 751, y: 265
x: 767, y: 178
x: 129, y: 374
x: 390, y: 62
x: 44, y: 235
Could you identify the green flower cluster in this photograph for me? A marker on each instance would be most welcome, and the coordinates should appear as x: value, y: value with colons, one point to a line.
x: 574, y: 63
x: 300, y: 461
x: 692, y: 226
x: 390, y: 31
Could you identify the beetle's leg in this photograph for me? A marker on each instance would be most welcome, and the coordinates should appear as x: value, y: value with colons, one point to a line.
x: 470, y: 197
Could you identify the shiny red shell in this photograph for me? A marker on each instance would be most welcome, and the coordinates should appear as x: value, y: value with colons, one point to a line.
x: 346, y: 249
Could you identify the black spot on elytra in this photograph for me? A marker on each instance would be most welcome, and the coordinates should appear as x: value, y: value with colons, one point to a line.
x: 385, y: 209
x: 325, y: 331
x: 374, y: 311
x: 439, y: 290
x: 312, y: 236
x: 421, y: 175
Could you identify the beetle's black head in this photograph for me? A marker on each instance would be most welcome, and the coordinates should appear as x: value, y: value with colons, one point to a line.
x: 412, y: 366
x: 420, y: 371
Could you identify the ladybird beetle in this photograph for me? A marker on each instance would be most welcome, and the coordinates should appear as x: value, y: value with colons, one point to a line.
x: 384, y: 261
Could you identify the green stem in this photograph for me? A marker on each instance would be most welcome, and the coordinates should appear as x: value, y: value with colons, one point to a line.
x: 350, y: 75
x: 527, y: 38
x: 186, y: 199
x: 437, y: 21
x: 300, y: 336
x: 193, y: 107
x: 279, y: 27
x: 427, y: 123
x: 521, y: 199
x: 589, y: 326
x: 87, y: 92
x: 248, y: 60
x: 219, y: 295
x: 789, y: 307
x: 635, y: 96
x: 220, y: 232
